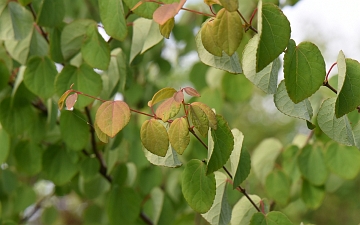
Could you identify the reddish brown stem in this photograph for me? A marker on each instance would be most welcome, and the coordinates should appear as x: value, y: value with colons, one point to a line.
x: 327, y: 75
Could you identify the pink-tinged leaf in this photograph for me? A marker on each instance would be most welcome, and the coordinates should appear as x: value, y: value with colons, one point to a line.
x: 179, y: 96
x: 154, y: 137
x: 179, y: 135
x: 168, y: 109
x: 112, y: 117
x: 209, y: 113
x: 62, y: 99
x: 161, y: 95
x: 101, y: 135
x: 192, y: 92
x: 167, y: 11
x: 70, y: 101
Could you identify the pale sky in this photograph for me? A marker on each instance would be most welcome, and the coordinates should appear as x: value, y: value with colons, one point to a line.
x: 332, y: 25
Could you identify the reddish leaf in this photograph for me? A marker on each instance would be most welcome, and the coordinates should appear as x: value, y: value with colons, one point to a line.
x: 179, y: 96
x: 168, y: 109
x: 167, y: 11
x: 192, y: 92
x: 70, y: 101
x: 112, y: 116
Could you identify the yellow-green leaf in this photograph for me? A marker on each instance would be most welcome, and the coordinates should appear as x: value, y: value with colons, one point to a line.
x: 62, y: 99
x: 208, y: 39
x: 209, y: 113
x: 161, y: 95
x: 112, y: 117
x: 228, y: 30
x: 199, y: 119
x: 154, y: 137
x: 230, y: 5
x: 101, y: 135
x: 166, y: 28
x: 179, y: 135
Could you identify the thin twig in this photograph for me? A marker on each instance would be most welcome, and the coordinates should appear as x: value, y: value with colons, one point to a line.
x: 326, y: 84
x: 327, y: 75
x: 103, y: 168
x: 145, y: 218
x: 36, y: 208
x: 39, y: 28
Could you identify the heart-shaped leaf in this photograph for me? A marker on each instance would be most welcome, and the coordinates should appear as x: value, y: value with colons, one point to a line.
x: 179, y: 135
x: 154, y: 137
x: 112, y: 117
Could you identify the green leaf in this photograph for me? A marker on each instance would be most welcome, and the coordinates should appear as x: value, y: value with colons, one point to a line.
x: 154, y: 137
x: 55, y: 45
x: 312, y: 195
x: 312, y: 165
x: 230, y: 5
x: 267, y: 78
x: 208, y: 39
x: 113, y: 18
x: 273, y: 218
x: 274, y: 34
x: 220, y: 212
x: 198, y: 188
x: 72, y: 37
x: 239, y: 159
x: 112, y: 117
x: 85, y: 80
x: 236, y: 88
x: 146, y: 9
x: 74, y: 129
x: 223, y: 145
x: 199, y: 119
x: 343, y: 160
x: 168, y: 109
x: 157, y: 195
x: 38, y: 45
x: 5, y: 145
x: 304, y: 70
x: 123, y: 205
x: 146, y: 34
x: 57, y: 165
x: 28, y: 156
x: 167, y: 27
x: 23, y: 198
x: 289, y: 162
x: 94, y: 187
x: 228, y: 31
x: 116, y: 71
x: 244, y: 210
x: 39, y: 76
x: 284, y: 104
x: 16, y: 119
x: 19, y: 49
x: 278, y: 185
x: 167, y: 11
x: 51, y: 13
x: 89, y: 167
x: 225, y: 62
x: 264, y: 156
x: 161, y: 95
x: 4, y: 75
x: 171, y: 158
x: 21, y: 20
x: 349, y: 95
x: 338, y: 129
x: 209, y: 113
x: 179, y: 135
x: 94, y: 50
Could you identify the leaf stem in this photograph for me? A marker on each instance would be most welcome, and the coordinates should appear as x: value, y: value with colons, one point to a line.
x: 326, y: 84
x: 247, y: 25
x: 327, y: 75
